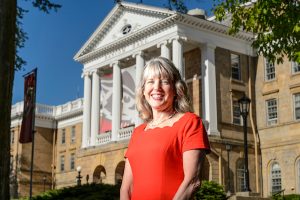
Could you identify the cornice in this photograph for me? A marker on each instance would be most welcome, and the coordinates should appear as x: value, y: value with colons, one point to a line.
x: 69, y: 115
x: 116, y: 12
x: 128, y: 39
x: 203, y: 24
x: 194, y: 22
x: 147, y: 8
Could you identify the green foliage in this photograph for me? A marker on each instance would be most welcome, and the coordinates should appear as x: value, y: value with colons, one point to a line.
x: 86, y: 192
x: 287, y: 197
x: 210, y: 190
x: 179, y: 6
x: 275, y: 23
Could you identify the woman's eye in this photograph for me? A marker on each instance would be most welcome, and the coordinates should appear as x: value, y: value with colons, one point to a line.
x: 149, y: 81
x: 165, y: 82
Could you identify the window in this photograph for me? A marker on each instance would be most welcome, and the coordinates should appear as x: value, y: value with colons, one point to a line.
x: 73, y: 134
x: 235, y: 67
x: 62, y: 163
x: 295, y: 67
x: 269, y: 70
x: 236, y: 117
x: 12, y: 137
x: 11, y: 167
x: 271, y: 112
x: 297, y: 105
x: 72, y: 161
x: 240, y: 169
x: 275, y: 178
x: 63, y: 136
x: 126, y: 29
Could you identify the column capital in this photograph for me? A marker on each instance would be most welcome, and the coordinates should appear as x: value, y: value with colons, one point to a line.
x: 138, y: 53
x: 178, y: 38
x: 114, y: 63
x: 86, y: 73
x: 94, y: 71
x: 208, y: 45
x: 162, y: 43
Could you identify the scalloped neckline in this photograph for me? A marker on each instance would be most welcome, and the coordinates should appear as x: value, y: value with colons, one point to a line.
x: 173, y: 125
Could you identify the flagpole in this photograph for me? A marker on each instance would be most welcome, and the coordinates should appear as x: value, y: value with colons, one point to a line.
x: 33, y: 133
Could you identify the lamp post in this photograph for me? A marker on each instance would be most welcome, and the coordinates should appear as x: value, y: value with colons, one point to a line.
x: 87, y: 179
x: 228, y: 148
x: 44, y: 180
x: 78, y: 176
x: 244, y: 103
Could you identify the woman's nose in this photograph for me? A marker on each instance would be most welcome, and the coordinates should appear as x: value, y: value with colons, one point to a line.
x: 156, y: 84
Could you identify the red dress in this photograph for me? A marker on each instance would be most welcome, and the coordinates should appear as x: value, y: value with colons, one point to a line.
x: 155, y: 156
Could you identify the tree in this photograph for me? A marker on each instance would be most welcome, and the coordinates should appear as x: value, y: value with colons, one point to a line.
x: 275, y: 23
x: 178, y: 5
x: 11, y: 37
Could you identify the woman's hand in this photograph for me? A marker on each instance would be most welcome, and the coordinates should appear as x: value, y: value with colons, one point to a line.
x: 126, y: 187
x: 192, y: 164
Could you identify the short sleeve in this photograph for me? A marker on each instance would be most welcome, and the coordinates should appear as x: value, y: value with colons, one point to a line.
x: 194, y: 135
x: 131, y: 145
x: 128, y: 151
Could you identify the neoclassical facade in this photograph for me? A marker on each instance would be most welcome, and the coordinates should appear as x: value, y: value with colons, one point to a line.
x: 94, y: 132
x: 203, y: 52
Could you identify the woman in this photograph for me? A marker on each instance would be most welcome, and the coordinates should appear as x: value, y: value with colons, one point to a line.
x: 164, y: 156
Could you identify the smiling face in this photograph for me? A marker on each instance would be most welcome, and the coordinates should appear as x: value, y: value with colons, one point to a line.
x: 159, y: 93
x: 158, y: 87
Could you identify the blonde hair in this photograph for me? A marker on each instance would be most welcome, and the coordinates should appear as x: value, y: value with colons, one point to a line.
x: 163, y: 68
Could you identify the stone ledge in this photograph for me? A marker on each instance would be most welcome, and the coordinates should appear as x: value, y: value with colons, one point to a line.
x: 247, y: 196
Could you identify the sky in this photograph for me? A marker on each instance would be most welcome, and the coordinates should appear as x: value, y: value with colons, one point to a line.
x: 54, y: 39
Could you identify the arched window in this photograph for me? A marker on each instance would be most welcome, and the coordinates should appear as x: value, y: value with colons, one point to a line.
x: 275, y: 177
x: 119, y: 172
x: 99, y: 174
x: 240, y: 175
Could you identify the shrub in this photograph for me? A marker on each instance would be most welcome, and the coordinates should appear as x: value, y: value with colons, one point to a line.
x: 287, y: 197
x: 210, y: 190
x: 86, y: 192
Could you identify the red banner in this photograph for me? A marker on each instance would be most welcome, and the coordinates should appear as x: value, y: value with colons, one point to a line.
x: 29, y: 107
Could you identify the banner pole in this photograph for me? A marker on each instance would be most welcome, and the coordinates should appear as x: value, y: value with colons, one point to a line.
x: 33, y: 133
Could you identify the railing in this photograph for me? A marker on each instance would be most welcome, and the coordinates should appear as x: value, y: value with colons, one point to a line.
x: 44, y: 110
x: 125, y: 133
x: 68, y: 107
x: 40, y: 109
x: 47, y: 110
x: 103, y: 138
x: 77, y: 104
x: 17, y: 108
x: 278, y: 195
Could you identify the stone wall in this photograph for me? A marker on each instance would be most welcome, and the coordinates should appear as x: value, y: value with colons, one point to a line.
x: 280, y: 143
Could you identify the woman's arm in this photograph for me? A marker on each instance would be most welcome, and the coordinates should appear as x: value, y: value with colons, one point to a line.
x: 192, y: 163
x: 127, y: 182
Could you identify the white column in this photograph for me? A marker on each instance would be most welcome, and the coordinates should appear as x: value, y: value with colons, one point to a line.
x: 164, y: 50
x: 116, y: 102
x: 86, y: 126
x: 209, y: 97
x: 139, y: 67
x: 95, y: 107
x: 177, y: 54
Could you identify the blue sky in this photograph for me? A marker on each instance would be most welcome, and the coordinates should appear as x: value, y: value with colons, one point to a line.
x: 55, y: 38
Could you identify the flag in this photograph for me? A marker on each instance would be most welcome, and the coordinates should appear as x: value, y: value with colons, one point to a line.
x: 29, y: 107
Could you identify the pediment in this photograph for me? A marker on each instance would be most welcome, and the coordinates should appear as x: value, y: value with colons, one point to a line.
x: 123, y: 20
